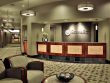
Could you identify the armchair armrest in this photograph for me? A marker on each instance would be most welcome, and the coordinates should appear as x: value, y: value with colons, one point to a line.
x: 35, y: 65
x: 19, y: 73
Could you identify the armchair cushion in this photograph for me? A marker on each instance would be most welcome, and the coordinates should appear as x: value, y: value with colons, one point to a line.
x: 35, y: 65
x: 10, y: 80
x: 2, y: 70
x: 19, y: 61
x: 18, y: 73
x: 35, y: 76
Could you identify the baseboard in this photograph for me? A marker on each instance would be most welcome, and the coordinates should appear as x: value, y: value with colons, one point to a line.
x: 107, y: 61
x: 33, y: 56
x: 23, y: 53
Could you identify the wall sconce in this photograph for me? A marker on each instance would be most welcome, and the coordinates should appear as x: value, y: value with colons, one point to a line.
x: 96, y: 27
x: 42, y: 29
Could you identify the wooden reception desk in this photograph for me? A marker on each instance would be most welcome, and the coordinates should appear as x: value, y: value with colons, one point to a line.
x: 87, y: 49
x: 92, y: 50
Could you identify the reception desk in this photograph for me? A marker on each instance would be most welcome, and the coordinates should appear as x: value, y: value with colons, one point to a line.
x: 89, y: 49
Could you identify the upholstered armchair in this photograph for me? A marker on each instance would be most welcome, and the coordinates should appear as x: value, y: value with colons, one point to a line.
x: 34, y: 69
x: 12, y: 75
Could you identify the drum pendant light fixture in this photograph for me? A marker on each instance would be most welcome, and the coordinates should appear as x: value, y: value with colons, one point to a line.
x: 85, y: 6
x: 28, y: 12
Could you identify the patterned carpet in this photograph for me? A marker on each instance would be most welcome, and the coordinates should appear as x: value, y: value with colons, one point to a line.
x: 93, y: 73
x: 9, y: 50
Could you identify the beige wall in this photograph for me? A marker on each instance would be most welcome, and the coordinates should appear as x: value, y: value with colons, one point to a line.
x: 104, y: 35
x: 37, y: 31
x: 27, y: 22
x: 47, y: 30
x: 57, y: 33
x: 92, y: 33
x: 36, y: 36
x: 24, y: 32
x: 29, y: 37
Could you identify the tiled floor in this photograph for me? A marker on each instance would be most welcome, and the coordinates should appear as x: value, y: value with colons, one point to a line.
x: 93, y: 73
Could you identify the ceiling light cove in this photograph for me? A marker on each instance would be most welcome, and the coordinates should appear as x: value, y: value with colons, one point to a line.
x: 85, y: 7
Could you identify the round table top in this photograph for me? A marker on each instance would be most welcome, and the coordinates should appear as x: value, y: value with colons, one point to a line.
x: 53, y: 79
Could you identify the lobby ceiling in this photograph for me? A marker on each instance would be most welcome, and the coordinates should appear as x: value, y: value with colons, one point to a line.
x: 47, y: 7
x: 4, y: 2
x: 15, y: 6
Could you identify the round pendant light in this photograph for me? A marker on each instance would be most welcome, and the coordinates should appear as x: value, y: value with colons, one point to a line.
x: 28, y: 13
x: 85, y: 7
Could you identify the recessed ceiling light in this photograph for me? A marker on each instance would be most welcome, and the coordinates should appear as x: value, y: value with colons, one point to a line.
x: 85, y: 7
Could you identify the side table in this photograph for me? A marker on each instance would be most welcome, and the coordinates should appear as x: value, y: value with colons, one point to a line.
x: 53, y: 79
